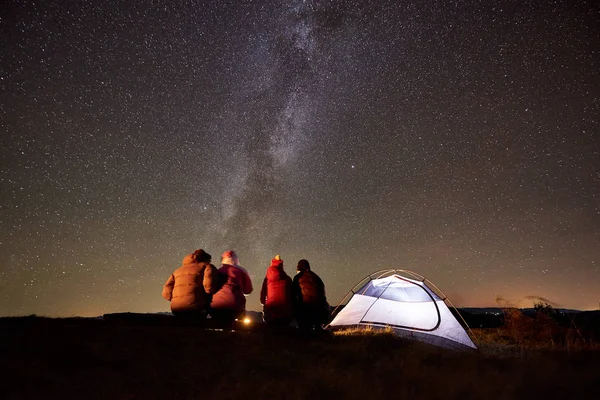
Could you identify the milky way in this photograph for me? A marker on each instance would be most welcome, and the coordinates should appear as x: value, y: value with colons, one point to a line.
x: 460, y: 141
x: 271, y: 126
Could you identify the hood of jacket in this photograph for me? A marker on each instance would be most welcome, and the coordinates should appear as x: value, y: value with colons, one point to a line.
x: 189, y: 259
x: 275, y: 272
x: 230, y: 258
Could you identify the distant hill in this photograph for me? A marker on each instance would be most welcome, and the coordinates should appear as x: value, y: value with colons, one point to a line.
x: 494, y: 310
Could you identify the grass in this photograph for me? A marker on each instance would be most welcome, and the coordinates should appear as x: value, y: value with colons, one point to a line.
x: 90, y: 359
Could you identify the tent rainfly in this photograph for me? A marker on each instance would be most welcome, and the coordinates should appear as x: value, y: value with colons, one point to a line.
x: 408, y: 303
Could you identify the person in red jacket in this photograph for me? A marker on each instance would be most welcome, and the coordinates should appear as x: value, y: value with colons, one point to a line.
x: 229, y: 302
x: 311, y: 309
x: 190, y: 286
x: 276, y: 295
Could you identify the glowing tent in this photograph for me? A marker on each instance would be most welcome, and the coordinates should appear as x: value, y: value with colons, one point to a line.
x: 408, y: 303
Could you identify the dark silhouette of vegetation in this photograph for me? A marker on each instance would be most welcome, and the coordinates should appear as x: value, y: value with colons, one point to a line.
x: 545, y: 326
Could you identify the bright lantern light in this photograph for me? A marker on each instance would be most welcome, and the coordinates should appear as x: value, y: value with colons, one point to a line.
x: 246, y: 320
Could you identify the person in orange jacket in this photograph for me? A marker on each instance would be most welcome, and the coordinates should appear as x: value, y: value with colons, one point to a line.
x: 190, y: 287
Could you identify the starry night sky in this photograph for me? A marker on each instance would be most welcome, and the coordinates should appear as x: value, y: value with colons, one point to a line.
x: 459, y: 140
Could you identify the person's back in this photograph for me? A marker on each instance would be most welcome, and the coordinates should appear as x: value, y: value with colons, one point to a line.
x: 190, y: 286
x: 311, y: 288
x: 310, y: 301
x: 276, y: 295
x: 229, y: 302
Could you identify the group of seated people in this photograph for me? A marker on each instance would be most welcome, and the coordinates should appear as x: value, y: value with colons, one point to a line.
x: 198, y: 289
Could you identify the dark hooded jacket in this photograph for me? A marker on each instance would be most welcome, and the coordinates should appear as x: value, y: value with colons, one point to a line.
x: 309, y: 288
x: 189, y: 287
x: 276, y: 294
x: 310, y: 302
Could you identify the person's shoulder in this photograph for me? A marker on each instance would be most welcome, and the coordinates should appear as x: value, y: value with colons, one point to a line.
x: 185, y: 267
x: 208, y: 266
x: 178, y: 268
x: 240, y: 269
x: 224, y: 268
x: 188, y: 269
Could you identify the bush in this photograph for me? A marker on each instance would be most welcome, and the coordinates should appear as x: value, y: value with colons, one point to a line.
x: 545, y: 327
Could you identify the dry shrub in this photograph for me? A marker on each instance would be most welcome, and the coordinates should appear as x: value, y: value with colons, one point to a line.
x: 546, y: 327
x: 518, y: 325
x: 539, y: 330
